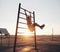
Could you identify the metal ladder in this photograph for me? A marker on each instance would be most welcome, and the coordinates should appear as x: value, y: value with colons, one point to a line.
x: 17, y: 25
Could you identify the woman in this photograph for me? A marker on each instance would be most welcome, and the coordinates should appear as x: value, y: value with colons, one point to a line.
x: 31, y: 25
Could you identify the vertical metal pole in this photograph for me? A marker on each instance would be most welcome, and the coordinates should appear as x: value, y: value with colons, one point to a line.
x: 34, y: 31
x: 8, y: 40
x: 52, y: 33
x: 14, y: 50
x: 1, y: 39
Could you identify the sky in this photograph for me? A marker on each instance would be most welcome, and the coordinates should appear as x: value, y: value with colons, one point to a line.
x: 46, y: 12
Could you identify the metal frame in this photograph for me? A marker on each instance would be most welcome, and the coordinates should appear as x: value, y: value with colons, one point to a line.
x: 14, y: 49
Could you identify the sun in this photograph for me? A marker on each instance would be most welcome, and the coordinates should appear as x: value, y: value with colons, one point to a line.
x: 27, y: 33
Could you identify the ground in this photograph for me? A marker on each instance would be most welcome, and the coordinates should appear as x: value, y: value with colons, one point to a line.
x: 44, y: 44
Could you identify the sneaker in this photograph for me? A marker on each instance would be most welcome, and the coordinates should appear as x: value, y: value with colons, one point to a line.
x: 42, y: 26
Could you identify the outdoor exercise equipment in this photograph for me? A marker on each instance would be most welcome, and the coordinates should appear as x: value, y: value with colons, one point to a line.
x: 21, y: 13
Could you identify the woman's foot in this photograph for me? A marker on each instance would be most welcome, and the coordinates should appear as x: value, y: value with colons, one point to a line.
x: 42, y: 26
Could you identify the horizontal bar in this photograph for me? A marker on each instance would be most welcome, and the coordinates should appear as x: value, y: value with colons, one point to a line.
x: 22, y: 13
x: 20, y: 32
x: 22, y: 27
x: 22, y: 18
x: 24, y: 32
x: 27, y: 10
x: 22, y: 22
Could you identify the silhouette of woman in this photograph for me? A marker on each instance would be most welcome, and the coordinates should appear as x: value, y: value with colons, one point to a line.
x: 31, y: 25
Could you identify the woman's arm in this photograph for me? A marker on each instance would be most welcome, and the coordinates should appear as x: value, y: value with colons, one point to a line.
x: 25, y: 13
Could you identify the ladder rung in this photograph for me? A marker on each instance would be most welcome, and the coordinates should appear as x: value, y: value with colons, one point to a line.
x: 27, y: 10
x: 22, y: 22
x: 22, y: 18
x: 20, y: 32
x: 22, y: 27
x: 23, y: 33
x: 22, y: 13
